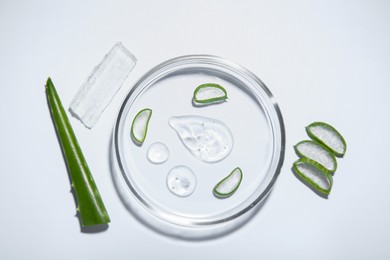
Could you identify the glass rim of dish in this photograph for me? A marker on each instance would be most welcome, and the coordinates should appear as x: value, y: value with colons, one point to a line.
x: 160, y: 71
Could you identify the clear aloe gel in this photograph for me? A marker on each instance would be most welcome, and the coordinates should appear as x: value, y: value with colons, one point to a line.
x: 158, y: 153
x: 208, y: 139
x: 181, y: 181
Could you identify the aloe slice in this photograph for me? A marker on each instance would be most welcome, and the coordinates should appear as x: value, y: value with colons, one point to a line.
x: 316, y: 152
x: 328, y: 136
x: 229, y: 184
x: 314, y: 174
x: 139, y: 127
x: 209, y: 93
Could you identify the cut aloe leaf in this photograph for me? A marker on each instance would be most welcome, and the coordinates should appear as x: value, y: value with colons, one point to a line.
x: 139, y: 128
x: 328, y: 136
x: 229, y: 184
x: 209, y: 93
x: 314, y: 151
x: 314, y: 174
x: 90, y: 204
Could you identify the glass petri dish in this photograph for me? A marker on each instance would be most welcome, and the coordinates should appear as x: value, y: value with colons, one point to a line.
x: 253, y: 117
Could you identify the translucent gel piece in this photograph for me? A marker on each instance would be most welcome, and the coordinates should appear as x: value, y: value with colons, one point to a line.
x: 105, y: 80
x: 208, y: 139
x: 181, y: 181
x: 158, y: 153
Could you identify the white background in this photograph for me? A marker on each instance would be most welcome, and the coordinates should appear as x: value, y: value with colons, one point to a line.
x: 323, y: 60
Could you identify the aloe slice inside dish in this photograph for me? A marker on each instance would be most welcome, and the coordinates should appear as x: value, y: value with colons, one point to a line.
x: 314, y: 174
x: 328, y: 136
x: 229, y: 184
x: 139, y: 127
x: 209, y: 93
x: 316, y: 152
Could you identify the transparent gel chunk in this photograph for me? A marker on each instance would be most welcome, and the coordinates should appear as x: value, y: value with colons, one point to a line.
x: 102, y: 84
x: 317, y: 153
x: 181, y: 181
x: 158, y: 153
x: 208, y: 139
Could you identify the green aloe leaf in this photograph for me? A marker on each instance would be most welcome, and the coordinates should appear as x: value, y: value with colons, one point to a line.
x: 90, y: 205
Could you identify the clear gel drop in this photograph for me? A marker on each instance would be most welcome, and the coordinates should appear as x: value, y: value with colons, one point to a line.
x: 181, y: 181
x: 158, y: 153
x: 208, y: 139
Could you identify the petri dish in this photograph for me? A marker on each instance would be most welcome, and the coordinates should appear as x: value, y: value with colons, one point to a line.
x: 254, y: 119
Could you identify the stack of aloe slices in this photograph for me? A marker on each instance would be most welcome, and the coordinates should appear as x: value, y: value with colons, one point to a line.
x: 318, y: 156
x: 205, y: 94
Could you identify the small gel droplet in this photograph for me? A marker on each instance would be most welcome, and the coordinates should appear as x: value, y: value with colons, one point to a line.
x: 158, y: 153
x: 181, y: 181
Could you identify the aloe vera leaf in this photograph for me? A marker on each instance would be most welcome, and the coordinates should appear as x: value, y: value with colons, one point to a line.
x: 314, y: 174
x: 230, y: 182
x: 314, y: 151
x: 218, y: 93
x: 89, y: 201
x: 139, y: 127
x: 328, y: 136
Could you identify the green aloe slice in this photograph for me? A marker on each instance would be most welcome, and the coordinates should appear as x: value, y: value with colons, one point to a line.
x: 229, y: 184
x: 139, y: 127
x: 209, y: 93
x: 314, y: 174
x: 314, y: 151
x: 328, y: 136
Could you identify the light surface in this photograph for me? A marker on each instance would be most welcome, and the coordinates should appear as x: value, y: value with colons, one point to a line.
x: 323, y: 61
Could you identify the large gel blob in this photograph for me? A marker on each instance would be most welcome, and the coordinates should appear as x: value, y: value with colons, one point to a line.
x: 208, y: 139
